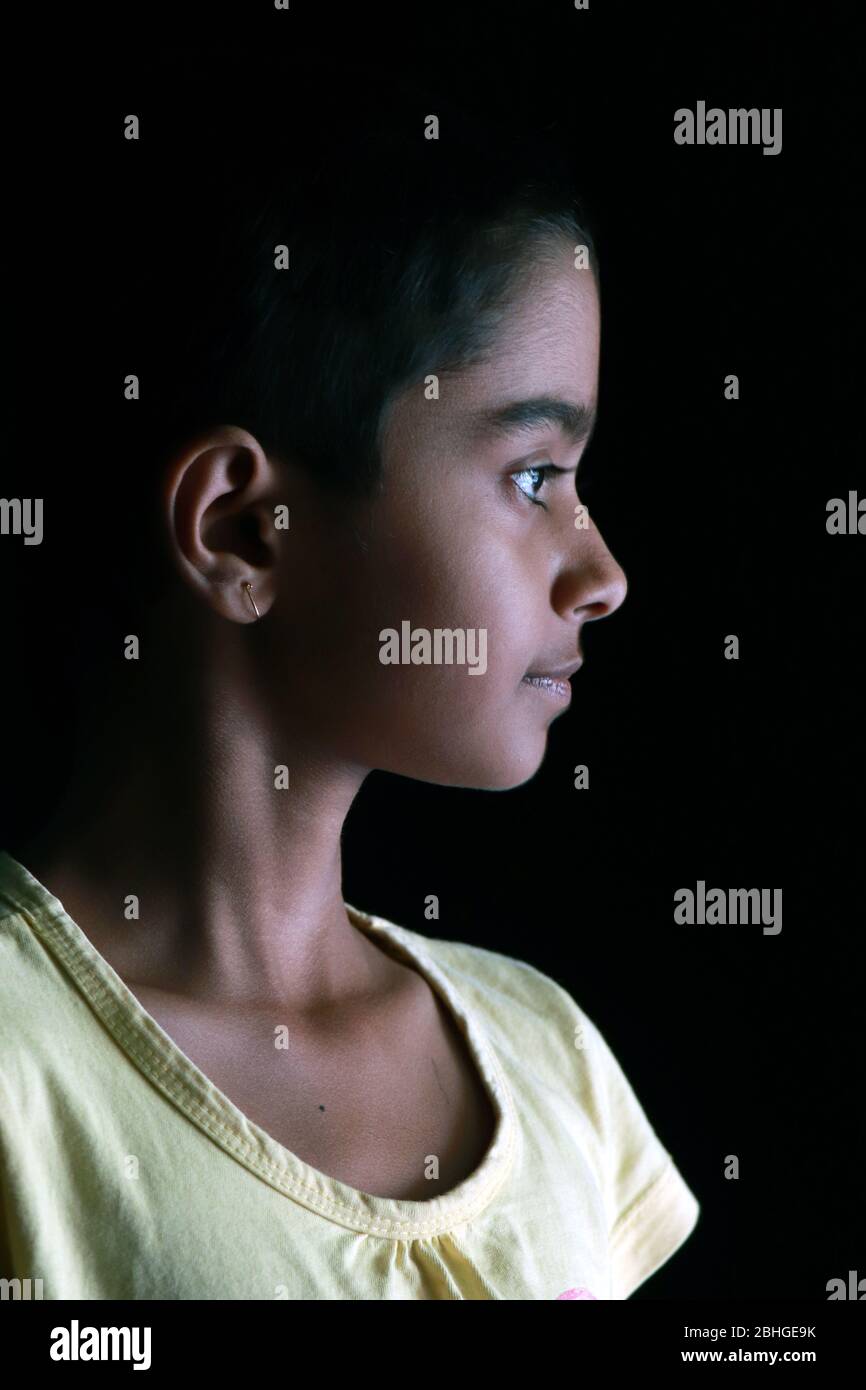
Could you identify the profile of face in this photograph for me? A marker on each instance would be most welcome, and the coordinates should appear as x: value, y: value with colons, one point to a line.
x: 472, y: 530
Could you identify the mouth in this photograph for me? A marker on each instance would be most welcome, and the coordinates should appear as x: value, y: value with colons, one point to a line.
x: 554, y: 684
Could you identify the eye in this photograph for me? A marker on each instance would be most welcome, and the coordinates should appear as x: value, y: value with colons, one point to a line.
x: 543, y: 470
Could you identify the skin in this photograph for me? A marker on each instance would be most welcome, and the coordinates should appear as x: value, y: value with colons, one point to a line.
x: 175, y: 800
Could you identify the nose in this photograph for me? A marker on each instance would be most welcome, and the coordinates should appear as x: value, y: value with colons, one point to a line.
x: 591, y: 583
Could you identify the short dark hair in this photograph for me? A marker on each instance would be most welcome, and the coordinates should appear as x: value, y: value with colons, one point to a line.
x: 403, y: 254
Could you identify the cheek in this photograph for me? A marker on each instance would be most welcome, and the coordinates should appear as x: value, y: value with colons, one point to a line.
x: 457, y: 724
x: 475, y: 638
x: 432, y: 569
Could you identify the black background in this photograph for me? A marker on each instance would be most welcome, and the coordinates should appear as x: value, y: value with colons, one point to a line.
x: 745, y: 773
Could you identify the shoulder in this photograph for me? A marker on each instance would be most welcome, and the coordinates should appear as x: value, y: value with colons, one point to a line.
x: 39, y: 1011
x: 25, y: 984
x: 492, y: 972
x: 525, y: 1009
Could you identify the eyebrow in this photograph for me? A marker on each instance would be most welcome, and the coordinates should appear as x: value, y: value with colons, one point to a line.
x: 576, y: 419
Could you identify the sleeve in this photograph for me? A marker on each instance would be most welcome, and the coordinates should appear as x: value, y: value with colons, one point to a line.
x: 651, y: 1210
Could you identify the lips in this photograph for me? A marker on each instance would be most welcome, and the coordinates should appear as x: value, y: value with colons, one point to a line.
x: 554, y: 681
x: 549, y: 685
x: 556, y: 673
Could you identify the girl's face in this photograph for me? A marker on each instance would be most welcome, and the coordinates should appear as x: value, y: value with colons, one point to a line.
x: 469, y: 534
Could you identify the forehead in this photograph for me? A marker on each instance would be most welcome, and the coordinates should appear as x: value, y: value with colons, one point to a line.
x: 553, y: 324
x: 547, y: 345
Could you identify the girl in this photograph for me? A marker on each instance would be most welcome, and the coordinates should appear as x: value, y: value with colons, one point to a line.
x: 360, y: 372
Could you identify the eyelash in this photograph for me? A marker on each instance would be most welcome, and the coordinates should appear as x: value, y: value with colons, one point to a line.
x: 545, y: 469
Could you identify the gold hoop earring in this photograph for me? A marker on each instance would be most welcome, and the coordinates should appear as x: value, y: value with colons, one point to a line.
x: 249, y: 589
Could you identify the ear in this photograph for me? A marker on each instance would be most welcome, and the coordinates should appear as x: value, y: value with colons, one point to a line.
x: 218, y: 500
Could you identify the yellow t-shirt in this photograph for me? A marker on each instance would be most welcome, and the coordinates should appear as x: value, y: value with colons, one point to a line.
x: 126, y: 1174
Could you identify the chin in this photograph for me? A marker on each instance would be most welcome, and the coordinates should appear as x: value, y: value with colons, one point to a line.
x: 487, y: 755
x: 492, y: 774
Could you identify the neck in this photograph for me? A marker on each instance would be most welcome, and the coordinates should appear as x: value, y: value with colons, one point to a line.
x: 174, y: 798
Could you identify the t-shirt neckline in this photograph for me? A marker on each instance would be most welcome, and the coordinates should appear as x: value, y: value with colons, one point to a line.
x: 156, y: 1054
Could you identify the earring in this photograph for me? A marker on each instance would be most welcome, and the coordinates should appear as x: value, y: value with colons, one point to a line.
x: 249, y: 589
